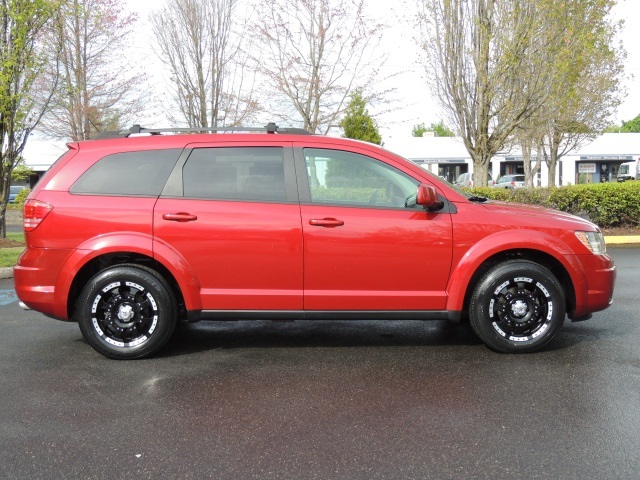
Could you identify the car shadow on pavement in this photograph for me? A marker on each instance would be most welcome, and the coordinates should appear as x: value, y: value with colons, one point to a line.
x: 208, y: 335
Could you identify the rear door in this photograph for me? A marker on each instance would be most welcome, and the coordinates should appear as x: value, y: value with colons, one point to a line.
x: 363, y: 249
x: 232, y: 213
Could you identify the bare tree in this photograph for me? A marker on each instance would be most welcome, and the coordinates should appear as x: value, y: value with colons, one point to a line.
x: 484, y: 60
x: 98, y: 87
x: 585, y: 88
x: 21, y: 23
x: 528, y: 137
x: 315, y: 52
x: 208, y: 68
x: 582, y: 106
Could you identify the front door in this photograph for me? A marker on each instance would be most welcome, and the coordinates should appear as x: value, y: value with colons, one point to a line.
x: 364, y: 250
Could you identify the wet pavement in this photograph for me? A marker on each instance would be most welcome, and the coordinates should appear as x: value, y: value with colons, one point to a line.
x: 325, y: 400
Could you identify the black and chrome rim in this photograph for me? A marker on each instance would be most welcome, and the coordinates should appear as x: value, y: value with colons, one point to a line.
x: 124, y: 314
x: 521, y: 309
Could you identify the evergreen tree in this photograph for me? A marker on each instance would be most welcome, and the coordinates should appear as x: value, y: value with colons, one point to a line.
x: 440, y: 129
x: 357, y: 123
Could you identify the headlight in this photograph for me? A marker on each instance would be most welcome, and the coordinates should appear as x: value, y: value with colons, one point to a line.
x: 594, y: 241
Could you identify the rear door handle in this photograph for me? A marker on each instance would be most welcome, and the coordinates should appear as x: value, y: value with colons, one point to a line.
x: 326, y: 222
x: 179, y: 217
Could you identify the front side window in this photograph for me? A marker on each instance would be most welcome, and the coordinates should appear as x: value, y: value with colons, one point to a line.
x: 352, y: 179
x: 235, y: 173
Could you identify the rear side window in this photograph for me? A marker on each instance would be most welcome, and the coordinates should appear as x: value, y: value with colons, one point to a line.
x: 132, y: 174
x: 237, y: 173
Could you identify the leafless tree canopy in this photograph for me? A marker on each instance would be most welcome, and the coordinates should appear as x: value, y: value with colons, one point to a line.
x: 97, y: 87
x: 201, y: 43
x: 484, y: 58
x: 582, y: 104
x: 314, y: 52
x: 538, y: 68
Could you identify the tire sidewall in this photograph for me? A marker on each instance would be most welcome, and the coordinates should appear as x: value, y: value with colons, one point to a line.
x: 479, y: 308
x: 155, y: 285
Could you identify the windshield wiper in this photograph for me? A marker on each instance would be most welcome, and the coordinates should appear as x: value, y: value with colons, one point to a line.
x: 476, y: 198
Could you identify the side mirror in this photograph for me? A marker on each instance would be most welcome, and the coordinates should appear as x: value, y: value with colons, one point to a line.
x: 427, y: 197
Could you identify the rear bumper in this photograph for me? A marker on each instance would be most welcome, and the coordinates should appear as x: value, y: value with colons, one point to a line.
x: 35, y: 278
x: 30, y: 291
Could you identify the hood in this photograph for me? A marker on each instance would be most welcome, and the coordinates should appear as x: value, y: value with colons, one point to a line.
x: 538, y: 214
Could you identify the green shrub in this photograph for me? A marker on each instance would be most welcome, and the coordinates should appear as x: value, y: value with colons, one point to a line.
x: 606, y: 204
x: 356, y: 195
x: 22, y: 196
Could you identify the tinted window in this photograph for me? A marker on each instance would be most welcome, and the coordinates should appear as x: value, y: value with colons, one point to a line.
x: 239, y: 173
x: 352, y: 179
x: 131, y: 173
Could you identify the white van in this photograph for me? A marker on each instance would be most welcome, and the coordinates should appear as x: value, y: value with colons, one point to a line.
x: 629, y: 171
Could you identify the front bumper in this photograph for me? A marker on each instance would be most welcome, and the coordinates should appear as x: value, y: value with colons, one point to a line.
x: 597, y: 292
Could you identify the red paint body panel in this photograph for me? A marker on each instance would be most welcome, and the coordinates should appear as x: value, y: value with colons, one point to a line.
x: 378, y: 260
x: 243, y: 255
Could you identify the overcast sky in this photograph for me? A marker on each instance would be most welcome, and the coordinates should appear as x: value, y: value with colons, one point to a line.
x: 414, y: 103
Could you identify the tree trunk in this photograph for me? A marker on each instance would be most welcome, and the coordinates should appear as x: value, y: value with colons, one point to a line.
x: 480, y: 171
x: 552, y: 161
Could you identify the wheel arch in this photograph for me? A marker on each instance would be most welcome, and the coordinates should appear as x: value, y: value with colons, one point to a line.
x: 536, y: 256
x: 534, y: 245
x: 110, y: 259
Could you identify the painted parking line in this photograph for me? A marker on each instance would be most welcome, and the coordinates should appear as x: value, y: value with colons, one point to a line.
x: 7, y: 297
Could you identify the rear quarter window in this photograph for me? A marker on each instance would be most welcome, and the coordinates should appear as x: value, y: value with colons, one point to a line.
x: 142, y: 173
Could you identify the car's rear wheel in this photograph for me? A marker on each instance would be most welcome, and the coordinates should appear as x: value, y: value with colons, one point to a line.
x: 126, y: 312
x: 518, y: 306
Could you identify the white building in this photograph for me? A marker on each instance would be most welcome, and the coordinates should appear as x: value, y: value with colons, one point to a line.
x: 39, y: 154
x: 594, y: 162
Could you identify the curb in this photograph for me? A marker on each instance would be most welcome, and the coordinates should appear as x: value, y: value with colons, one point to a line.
x: 6, y: 272
x: 622, y: 239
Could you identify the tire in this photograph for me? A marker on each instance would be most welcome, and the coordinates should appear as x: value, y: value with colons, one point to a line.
x: 517, y: 307
x: 126, y: 312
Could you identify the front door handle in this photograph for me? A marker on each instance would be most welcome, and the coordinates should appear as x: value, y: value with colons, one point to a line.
x: 326, y: 222
x: 179, y: 217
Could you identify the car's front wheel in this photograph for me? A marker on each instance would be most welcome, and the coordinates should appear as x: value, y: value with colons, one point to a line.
x: 518, y: 306
x: 126, y: 312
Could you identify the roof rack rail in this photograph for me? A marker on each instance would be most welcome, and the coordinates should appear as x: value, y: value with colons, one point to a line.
x: 135, y: 129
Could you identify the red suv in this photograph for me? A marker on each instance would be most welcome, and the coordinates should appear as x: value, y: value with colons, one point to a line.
x: 128, y: 235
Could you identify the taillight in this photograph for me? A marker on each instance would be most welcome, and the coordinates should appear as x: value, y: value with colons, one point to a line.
x: 34, y: 213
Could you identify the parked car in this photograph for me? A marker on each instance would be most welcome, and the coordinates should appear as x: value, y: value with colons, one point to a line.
x: 466, y: 180
x: 510, y: 181
x: 129, y: 234
x: 14, y: 190
x: 629, y: 171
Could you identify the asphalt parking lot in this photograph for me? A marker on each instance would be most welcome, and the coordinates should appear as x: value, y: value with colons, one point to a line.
x: 324, y: 400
